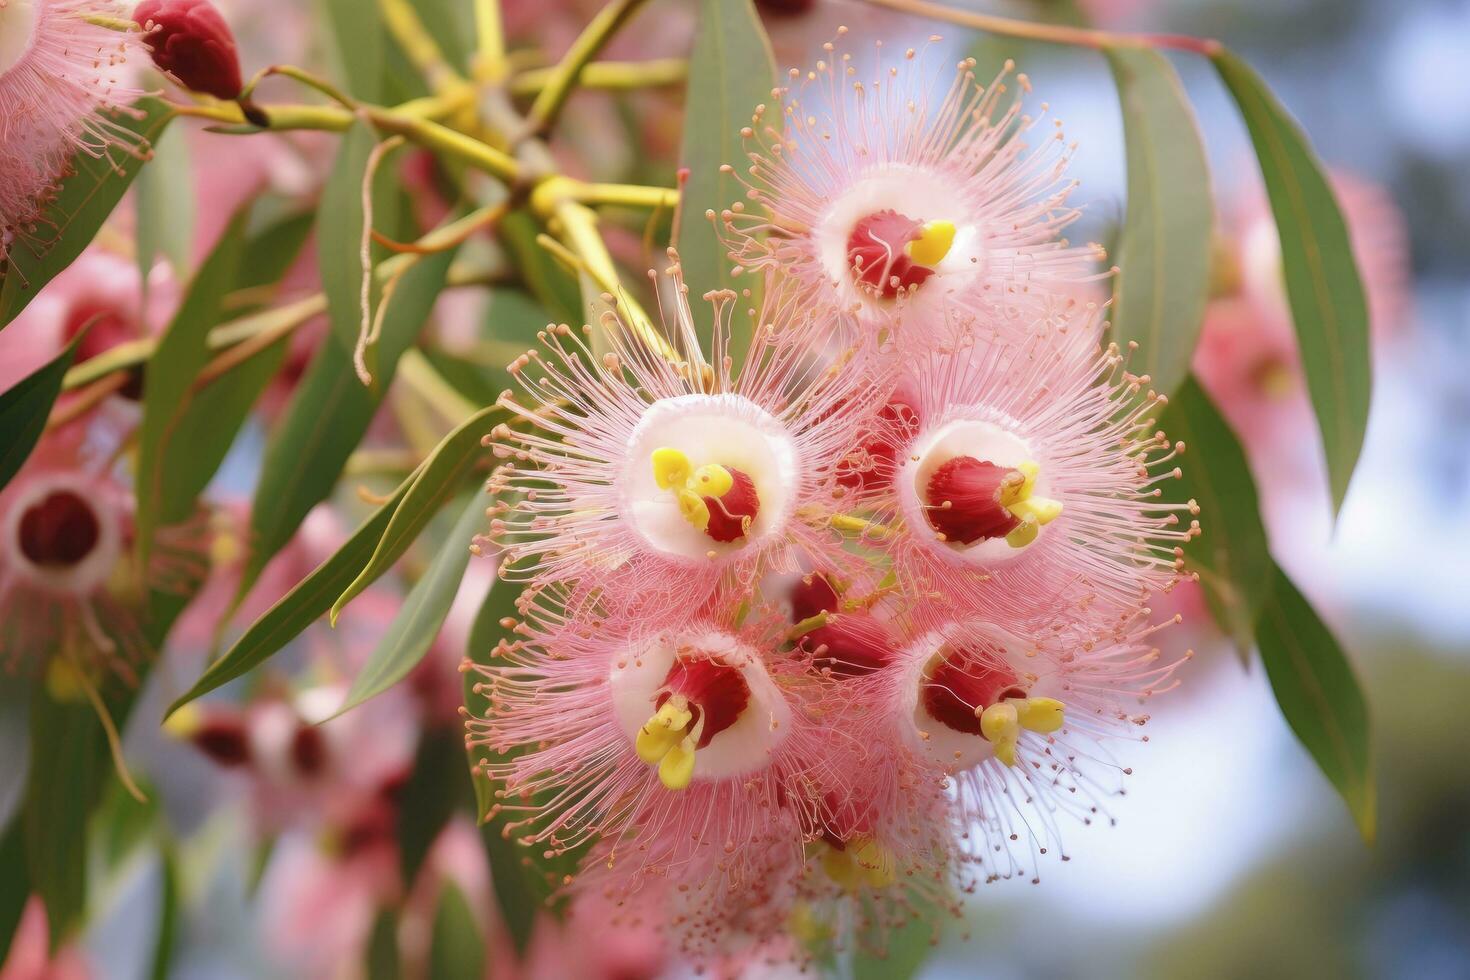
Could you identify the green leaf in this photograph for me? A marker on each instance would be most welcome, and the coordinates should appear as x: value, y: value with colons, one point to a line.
x: 357, y: 28
x: 339, y: 241
x: 70, y: 222
x: 181, y: 353
x: 457, y: 949
x: 1164, y: 279
x: 731, y: 71
x: 299, y: 608
x: 275, y: 241
x: 551, y: 284
x: 905, y: 949
x: 1319, y: 696
x: 164, y: 203
x: 437, y: 786
x: 382, y: 951
x: 1232, y: 556
x: 68, y: 767
x: 417, y: 624
x: 1322, y: 282
x: 165, y: 944
x: 327, y: 417
x: 439, y: 478
x: 25, y: 407
x: 15, y: 884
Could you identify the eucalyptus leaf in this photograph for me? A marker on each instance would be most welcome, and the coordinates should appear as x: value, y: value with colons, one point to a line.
x: 84, y: 202
x: 181, y: 353
x: 731, y: 71
x: 1164, y: 263
x: 1232, y: 555
x: 163, y: 201
x: 1319, y: 696
x: 422, y: 612
x: 440, y: 477
x: 457, y: 947
x: 327, y: 417
x: 1323, y: 285
x: 25, y: 407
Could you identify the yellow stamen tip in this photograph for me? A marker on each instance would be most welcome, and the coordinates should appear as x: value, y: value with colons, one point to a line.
x: 671, y: 468
x: 676, y: 770
x: 64, y: 682
x: 1044, y: 715
x: 933, y: 244
x: 1001, y: 725
x: 711, y: 481
x: 184, y: 722
x: 694, y: 509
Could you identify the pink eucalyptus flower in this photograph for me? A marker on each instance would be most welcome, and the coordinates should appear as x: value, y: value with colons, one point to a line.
x: 192, y: 44
x: 62, y: 82
x: 31, y: 956
x: 664, y: 474
x: 879, y: 196
x: 1028, y: 483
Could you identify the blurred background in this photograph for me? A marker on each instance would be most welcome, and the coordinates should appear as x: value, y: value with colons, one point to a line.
x: 1229, y: 855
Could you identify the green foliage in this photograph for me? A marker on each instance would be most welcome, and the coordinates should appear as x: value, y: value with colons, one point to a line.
x: 1232, y: 556
x: 457, y: 947
x: 166, y: 495
x: 164, y: 201
x: 731, y: 71
x: 1322, y: 280
x: 86, y: 198
x: 1319, y: 696
x: 1160, y: 292
x: 25, y: 407
x: 416, y: 626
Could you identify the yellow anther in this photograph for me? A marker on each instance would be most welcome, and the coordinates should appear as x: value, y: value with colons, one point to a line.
x: 711, y: 481
x: 693, y: 507
x: 1044, y: 715
x: 677, y: 767
x: 1032, y: 511
x: 1001, y: 725
x: 64, y: 682
x: 933, y: 244
x: 671, y: 468
x: 862, y: 863
x: 664, y: 742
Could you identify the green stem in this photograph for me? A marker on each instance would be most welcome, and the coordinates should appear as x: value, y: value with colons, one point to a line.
x: 609, y: 75
x: 1054, y: 33
x: 564, y: 76
x: 490, y: 65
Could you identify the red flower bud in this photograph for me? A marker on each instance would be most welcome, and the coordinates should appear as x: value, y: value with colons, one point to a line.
x: 191, y: 42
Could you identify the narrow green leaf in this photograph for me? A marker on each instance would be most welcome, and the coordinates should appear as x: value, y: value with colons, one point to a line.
x: 181, y: 352
x: 905, y: 949
x: 299, y: 608
x: 68, y: 759
x: 1322, y: 280
x: 1319, y: 696
x: 163, y: 201
x: 327, y: 417
x: 1232, y: 556
x: 68, y: 225
x: 417, y: 624
x: 382, y: 950
x: 339, y: 241
x: 358, y: 30
x: 166, y: 942
x: 26, y: 406
x: 551, y: 284
x: 276, y: 238
x: 15, y: 884
x: 438, y: 787
x: 440, y: 477
x: 1164, y: 278
x: 731, y: 71
x: 457, y: 948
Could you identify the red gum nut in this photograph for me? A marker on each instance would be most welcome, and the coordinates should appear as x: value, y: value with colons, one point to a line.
x: 971, y: 487
x: 191, y: 42
x: 729, y: 514
x: 954, y: 690
x: 852, y: 645
x: 875, y: 248
x: 714, y: 689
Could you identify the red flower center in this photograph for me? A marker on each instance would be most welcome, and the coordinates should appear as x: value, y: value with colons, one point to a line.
x: 963, y: 500
x: 731, y: 513
x: 872, y: 464
x: 715, y: 691
x: 876, y: 252
x: 59, y: 530
x: 964, y: 682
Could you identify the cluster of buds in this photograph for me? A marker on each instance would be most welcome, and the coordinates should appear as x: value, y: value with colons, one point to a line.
x: 813, y: 632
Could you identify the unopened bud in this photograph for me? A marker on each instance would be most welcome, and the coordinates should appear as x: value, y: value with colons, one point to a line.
x: 191, y: 42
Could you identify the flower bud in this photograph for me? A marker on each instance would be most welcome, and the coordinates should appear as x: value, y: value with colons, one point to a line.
x: 191, y: 42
